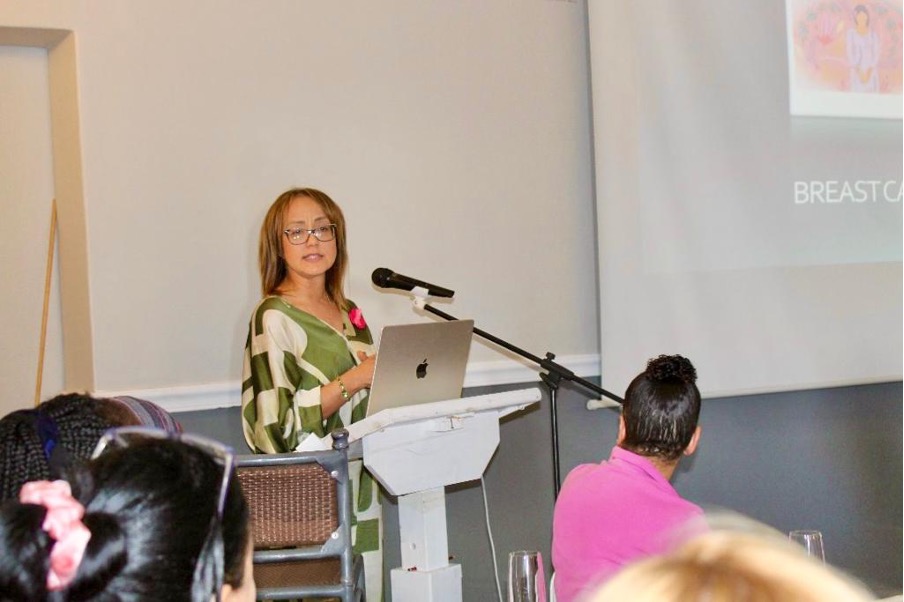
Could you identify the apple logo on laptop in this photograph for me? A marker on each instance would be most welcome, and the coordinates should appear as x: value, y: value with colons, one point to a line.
x: 421, y: 370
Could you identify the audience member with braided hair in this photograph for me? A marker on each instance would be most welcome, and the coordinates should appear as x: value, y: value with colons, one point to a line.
x: 623, y: 509
x: 40, y: 443
x: 150, y: 519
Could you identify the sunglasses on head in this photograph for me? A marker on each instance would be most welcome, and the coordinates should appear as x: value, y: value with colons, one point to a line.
x: 209, y: 569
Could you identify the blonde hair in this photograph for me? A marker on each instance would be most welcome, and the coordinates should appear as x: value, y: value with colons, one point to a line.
x: 271, y: 263
x: 731, y: 567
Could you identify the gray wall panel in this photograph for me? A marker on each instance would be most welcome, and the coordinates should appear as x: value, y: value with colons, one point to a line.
x: 828, y: 459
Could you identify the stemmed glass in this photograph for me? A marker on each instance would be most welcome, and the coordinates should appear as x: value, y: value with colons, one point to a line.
x: 526, y: 582
x: 811, y: 541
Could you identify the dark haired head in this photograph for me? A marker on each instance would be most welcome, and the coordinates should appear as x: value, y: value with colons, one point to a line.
x: 148, y: 508
x: 41, y: 443
x: 661, y: 408
x: 68, y: 424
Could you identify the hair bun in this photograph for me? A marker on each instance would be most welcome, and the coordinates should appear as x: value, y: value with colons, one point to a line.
x: 105, y: 556
x: 25, y: 547
x: 667, y: 367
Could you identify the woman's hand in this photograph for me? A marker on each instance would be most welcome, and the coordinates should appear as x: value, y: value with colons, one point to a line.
x: 353, y: 380
x: 362, y: 375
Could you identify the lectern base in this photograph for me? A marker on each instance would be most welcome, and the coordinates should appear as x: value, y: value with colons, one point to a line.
x: 438, y: 585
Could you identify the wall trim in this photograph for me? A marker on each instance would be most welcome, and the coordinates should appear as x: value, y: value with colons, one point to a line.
x: 68, y: 184
x: 192, y: 398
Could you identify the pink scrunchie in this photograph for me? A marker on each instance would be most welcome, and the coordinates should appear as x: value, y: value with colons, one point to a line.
x: 63, y: 523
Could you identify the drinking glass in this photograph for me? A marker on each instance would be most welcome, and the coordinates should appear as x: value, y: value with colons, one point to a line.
x: 526, y: 582
x: 811, y: 541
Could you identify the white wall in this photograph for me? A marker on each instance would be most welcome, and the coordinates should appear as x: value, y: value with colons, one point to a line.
x: 456, y: 137
x: 26, y: 193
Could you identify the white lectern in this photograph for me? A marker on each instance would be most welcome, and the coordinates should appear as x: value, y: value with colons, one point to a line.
x: 415, y: 451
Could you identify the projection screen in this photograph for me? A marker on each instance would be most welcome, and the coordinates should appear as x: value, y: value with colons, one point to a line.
x: 764, y: 246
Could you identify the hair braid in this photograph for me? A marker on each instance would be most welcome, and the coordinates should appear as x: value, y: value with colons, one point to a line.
x: 22, y: 455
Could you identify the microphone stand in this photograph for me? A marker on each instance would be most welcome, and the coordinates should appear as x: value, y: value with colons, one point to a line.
x: 553, y: 375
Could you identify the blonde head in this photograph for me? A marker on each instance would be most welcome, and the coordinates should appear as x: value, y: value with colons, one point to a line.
x: 270, y: 260
x: 731, y: 567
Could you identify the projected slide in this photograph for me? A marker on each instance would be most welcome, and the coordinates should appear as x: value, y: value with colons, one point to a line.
x: 728, y: 179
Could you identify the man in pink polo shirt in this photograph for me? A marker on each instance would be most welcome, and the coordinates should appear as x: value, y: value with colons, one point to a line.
x: 611, y: 513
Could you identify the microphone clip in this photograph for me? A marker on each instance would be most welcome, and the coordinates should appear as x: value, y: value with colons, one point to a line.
x: 419, y: 296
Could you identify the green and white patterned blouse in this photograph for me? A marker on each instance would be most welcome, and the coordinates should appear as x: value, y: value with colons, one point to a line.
x: 289, y: 356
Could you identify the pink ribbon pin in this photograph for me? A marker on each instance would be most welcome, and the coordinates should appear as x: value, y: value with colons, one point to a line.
x: 356, y: 317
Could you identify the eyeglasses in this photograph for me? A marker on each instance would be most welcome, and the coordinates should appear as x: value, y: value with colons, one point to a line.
x: 299, y: 236
x: 209, y: 569
x: 127, y: 436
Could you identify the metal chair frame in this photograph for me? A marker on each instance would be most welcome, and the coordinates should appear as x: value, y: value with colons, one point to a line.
x: 339, y: 544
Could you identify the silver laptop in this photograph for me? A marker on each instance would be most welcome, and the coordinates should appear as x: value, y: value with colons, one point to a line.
x: 420, y: 363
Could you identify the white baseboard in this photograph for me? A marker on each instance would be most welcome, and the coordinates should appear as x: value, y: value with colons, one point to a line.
x: 191, y: 398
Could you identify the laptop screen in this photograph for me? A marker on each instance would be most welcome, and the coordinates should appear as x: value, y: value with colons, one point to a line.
x: 420, y: 363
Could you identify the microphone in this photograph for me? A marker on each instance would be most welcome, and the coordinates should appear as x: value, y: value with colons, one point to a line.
x: 386, y: 278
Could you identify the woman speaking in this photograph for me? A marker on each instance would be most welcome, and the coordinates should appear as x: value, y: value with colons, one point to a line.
x: 309, y: 358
